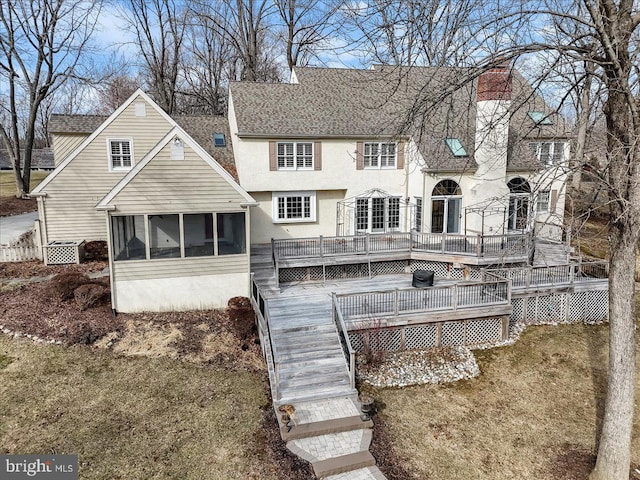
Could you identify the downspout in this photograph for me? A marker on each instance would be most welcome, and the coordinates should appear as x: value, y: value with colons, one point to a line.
x: 111, y: 269
x: 407, y: 208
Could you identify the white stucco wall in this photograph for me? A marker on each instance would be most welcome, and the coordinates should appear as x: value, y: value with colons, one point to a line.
x: 179, y: 294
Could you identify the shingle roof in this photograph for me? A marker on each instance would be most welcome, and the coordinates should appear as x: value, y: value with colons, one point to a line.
x: 382, y: 102
x: 59, y: 123
x: 41, y: 158
x: 201, y: 128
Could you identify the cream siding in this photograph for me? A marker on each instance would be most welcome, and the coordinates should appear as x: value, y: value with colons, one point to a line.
x: 177, y: 186
x: 62, y: 144
x: 74, y: 192
x: 180, y: 267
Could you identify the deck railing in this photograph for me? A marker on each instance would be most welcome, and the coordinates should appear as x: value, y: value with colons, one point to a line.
x: 472, y: 245
x: 260, y: 307
x: 576, y: 272
x: 347, y: 349
x: 393, y: 303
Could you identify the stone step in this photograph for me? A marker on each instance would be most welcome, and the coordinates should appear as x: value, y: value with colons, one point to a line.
x: 324, y: 427
x: 367, y: 473
x: 344, y: 463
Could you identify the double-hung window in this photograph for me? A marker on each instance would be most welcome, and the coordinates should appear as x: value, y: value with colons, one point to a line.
x: 542, y: 204
x: 120, y: 154
x: 379, y: 155
x: 295, y: 155
x: 549, y: 153
x: 289, y: 207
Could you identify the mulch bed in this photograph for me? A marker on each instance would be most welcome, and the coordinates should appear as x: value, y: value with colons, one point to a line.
x: 35, y: 268
x: 291, y: 467
x: 15, y: 206
x: 35, y: 310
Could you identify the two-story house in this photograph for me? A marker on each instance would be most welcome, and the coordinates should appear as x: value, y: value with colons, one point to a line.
x: 342, y: 151
x: 334, y: 152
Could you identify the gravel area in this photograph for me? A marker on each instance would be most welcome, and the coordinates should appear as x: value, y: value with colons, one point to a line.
x: 437, y: 365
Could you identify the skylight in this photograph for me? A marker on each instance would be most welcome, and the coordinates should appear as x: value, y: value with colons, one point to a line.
x: 219, y: 140
x: 540, y: 118
x: 456, y: 147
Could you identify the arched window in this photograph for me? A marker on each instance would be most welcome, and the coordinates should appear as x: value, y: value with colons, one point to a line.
x: 519, y: 204
x: 446, y: 207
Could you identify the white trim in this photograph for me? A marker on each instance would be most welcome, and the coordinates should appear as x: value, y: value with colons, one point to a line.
x: 99, y: 130
x: 179, y: 132
x: 379, y: 166
x: 548, y: 201
x: 110, y: 159
x: 295, y: 167
x: 312, y: 206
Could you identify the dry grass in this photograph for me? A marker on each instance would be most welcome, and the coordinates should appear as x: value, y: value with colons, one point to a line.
x: 8, y: 183
x: 532, y: 413
x: 151, y: 418
x: 9, y: 204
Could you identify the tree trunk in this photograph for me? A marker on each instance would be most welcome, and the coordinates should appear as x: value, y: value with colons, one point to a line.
x: 614, y: 450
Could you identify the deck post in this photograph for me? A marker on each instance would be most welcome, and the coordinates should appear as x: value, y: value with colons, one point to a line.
x: 321, y: 246
x: 454, y: 294
x: 396, y: 306
x: 529, y: 272
x: 366, y: 242
x: 273, y: 250
x: 480, y: 246
x: 444, y: 242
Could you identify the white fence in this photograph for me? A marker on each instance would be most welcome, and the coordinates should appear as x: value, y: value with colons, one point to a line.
x: 25, y: 248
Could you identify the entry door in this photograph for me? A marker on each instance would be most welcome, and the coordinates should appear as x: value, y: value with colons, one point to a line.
x: 518, y: 212
x: 445, y: 215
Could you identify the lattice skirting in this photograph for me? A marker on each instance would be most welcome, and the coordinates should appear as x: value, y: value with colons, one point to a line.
x: 589, y: 307
x: 486, y: 331
x: 316, y: 273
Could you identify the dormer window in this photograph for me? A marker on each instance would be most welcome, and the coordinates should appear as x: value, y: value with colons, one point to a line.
x: 120, y: 154
x: 456, y: 147
x: 219, y: 140
x: 540, y: 118
x: 549, y: 153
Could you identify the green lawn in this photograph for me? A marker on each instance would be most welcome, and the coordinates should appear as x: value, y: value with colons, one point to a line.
x: 132, y: 418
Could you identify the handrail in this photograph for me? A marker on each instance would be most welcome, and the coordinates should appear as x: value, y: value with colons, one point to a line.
x: 365, y: 244
x: 345, y: 342
x: 574, y: 272
x: 261, y: 309
x: 398, y: 302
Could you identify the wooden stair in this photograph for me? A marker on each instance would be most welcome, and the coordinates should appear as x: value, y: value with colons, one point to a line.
x: 547, y: 253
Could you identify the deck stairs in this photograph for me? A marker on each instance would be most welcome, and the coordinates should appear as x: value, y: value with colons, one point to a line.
x: 549, y: 253
x: 313, y: 376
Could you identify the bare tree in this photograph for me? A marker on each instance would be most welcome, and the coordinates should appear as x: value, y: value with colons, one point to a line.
x: 245, y: 24
x: 602, y: 37
x: 307, y: 23
x: 41, y: 46
x: 207, y: 68
x: 114, y: 92
x: 160, y: 28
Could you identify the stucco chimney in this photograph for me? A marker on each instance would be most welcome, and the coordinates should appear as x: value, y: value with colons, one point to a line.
x: 492, y: 137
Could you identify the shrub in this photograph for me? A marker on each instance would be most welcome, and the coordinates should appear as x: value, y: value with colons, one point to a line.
x: 90, y: 295
x: 64, y: 284
x: 242, y: 317
x: 96, y: 251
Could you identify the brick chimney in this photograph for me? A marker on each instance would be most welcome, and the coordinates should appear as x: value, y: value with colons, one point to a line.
x: 495, y: 84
